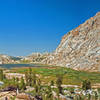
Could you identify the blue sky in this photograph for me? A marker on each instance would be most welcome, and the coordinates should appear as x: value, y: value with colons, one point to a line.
x: 28, y: 26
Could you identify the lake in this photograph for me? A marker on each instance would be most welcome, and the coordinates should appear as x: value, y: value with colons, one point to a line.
x: 18, y: 65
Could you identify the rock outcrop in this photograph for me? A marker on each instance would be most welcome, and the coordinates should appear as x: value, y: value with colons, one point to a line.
x: 80, y: 48
x: 5, y: 59
x: 36, y: 57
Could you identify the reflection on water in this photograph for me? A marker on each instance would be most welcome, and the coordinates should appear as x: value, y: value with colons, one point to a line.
x: 18, y: 65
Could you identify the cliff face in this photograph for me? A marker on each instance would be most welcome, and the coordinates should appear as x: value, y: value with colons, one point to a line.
x: 80, y: 48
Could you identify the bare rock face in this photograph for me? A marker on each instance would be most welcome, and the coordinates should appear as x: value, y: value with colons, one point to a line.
x: 80, y: 48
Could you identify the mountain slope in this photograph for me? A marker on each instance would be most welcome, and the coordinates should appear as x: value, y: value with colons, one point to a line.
x: 80, y: 48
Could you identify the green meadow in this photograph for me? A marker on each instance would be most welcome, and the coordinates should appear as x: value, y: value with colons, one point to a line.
x: 70, y: 76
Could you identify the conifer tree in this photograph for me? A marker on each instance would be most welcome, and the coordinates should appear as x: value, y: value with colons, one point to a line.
x: 30, y: 77
x: 26, y: 78
x: 52, y: 83
x: 1, y: 75
x: 22, y: 84
x: 17, y: 83
x: 33, y: 79
x: 39, y: 86
x: 96, y: 96
x: 14, y: 80
x: 59, y: 83
x: 49, y: 93
x: 86, y: 85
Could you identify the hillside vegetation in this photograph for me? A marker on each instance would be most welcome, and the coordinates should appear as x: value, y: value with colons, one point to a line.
x: 70, y: 76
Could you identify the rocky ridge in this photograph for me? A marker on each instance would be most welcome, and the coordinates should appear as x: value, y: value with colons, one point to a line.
x: 5, y: 59
x: 36, y: 57
x: 80, y: 48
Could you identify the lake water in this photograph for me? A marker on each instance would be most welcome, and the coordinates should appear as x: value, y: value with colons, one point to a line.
x: 18, y: 65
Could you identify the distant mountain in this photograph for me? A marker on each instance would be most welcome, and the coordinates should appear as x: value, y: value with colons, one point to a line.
x: 16, y: 58
x: 5, y: 59
x: 80, y: 48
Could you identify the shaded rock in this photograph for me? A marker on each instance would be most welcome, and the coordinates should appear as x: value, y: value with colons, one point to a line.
x: 38, y: 97
x: 10, y: 88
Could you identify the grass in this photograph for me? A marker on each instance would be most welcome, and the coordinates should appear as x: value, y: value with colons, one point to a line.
x: 70, y: 76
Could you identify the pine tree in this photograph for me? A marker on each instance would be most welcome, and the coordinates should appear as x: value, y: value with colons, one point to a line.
x: 36, y: 89
x: 96, y: 96
x: 30, y: 77
x: 33, y: 79
x: 59, y: 83
x: 39, y: 86
x: 49, y: 93
x: 17, y: 83
x: 14, y: 80
x: 86, y: 85
x: 1, y: 75
x: 52, y: 83
x: 26, y: 78
x: 89, y: 97
x: 22, y: 84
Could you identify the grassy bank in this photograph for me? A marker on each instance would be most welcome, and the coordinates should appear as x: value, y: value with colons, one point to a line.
x: 70, y: 76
